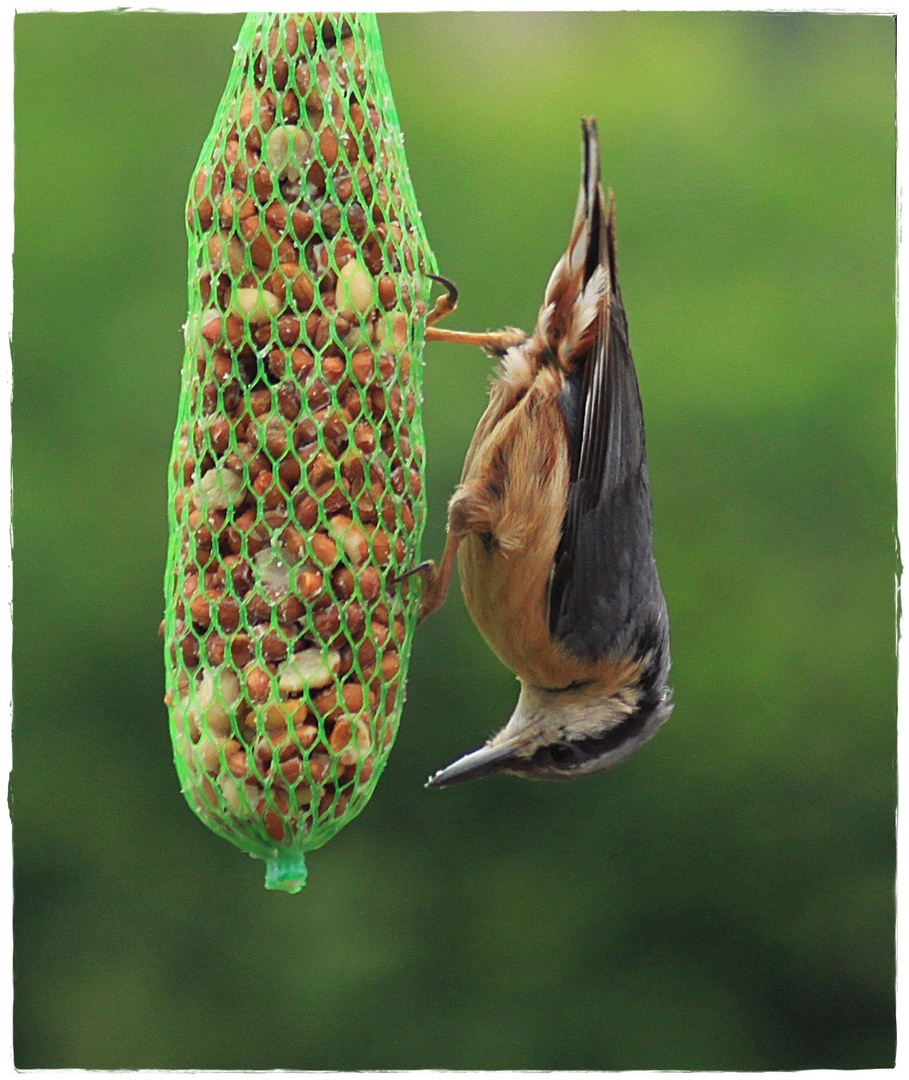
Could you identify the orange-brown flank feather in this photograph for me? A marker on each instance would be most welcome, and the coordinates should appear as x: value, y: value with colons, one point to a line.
x: 517, y: 463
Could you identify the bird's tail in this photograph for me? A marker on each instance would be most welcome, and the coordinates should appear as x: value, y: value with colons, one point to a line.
x: 582, y: 280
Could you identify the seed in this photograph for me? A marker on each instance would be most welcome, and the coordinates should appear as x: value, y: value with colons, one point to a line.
x: 327, y: 621
x: 362, y: 366
x: 307, y: 670
x: 256, y: 306
x: 307, y: 513
x: 388, y: 294
x: 324, y: 549
x: 355, y: 287
x: 286, y: 147
x: 311, y: 585
x: 258, y: 682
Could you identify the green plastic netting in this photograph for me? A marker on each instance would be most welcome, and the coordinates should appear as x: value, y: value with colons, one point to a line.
x: 296, y: 483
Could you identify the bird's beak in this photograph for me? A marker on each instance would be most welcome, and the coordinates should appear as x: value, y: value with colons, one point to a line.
x: 482, y: 762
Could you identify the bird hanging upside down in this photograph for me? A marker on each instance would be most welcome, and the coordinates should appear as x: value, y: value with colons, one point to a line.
x: 551, y: 522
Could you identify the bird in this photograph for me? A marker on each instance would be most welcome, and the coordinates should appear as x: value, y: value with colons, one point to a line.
x: 551, y: 522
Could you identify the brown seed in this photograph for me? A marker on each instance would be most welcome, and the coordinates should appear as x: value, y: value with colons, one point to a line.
x: 342, y: 804
x: 259, y: 401
x: 324, y: 549
x: 307, y: 512
x: 233, y: 330
x: 343, y: 583
x: 341, y: 734
x: 370, y: 582
x: 366, y: 509
x: 289, y: 474
x: 362, y: 366
x: 346, y: 664
x: 334, y: 500
x: 354, y: 698
x: 353, y: 472
x: 258, y: 609
x: 320, y: 470
x: 301, y: 362
x: 275, y: 437
x: 343, y: 250
x: 318, y: 395
x: 263, y: 184
x: 241, y: 574
x: 219, y: 434
x: 242, y: 650
x: 273, y: 823
x: 274, y: 645
x: 288, y: 329
x: 228, y: 614
x: 310, y: 585
x: 238, y: 762
x: 328, y: 146
x: 326, y: 621
x: 356, y: 219
x: 335, y: 432
x: 331, y: 219
x: 325, y: 704
x: 381, y: 547
x: 319, y: 766
x: 290, y: 609
x: 343, y: 187
x: 301, y: 285
x: 258, y: 682
x: 333, y: 369
x: 387, y: 365
x: 277, y: 363
x: 317, y: 329
x: 215, y: 649
x: 189, y: 647
x: 276, y: 215
x: 276, y: 716
x: 391, y: 664
x: 302, y: 223
x: 290, y: 107
x: 365, y: 437
x: 327, y: 799
x: 291, y: 769
x: 387, y: 292
x: 200, y: 610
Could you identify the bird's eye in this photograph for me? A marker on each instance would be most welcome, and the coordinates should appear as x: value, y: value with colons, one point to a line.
x: 562, y: 754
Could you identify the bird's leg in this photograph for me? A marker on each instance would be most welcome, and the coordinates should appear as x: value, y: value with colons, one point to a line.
x: 470, y: 511
x: 496, y: 342
x: 446, y: 304
x: 436, y: 579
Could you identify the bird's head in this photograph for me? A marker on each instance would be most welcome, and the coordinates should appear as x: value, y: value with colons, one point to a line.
x: 556, y: 734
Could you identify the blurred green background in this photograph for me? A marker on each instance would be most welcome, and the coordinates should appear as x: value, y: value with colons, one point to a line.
x: 723, y: 900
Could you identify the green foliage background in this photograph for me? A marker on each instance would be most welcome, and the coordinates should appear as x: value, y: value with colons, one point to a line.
x: 723, y: 900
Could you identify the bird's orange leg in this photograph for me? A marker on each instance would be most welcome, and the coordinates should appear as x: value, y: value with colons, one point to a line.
x: 436, y: 579
x: 496, y: 342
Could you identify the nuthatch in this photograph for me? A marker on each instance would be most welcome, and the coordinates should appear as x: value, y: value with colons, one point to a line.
x: 551, y: 522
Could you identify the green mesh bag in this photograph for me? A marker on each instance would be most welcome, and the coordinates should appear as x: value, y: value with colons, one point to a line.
x: 296, y: 485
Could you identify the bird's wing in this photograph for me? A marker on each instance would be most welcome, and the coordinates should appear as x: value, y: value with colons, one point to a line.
x: 604, y: 570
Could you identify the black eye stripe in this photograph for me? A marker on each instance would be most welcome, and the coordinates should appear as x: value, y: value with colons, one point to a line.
x: 571, y: 752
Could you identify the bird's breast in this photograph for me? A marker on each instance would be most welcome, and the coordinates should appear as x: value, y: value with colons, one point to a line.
x: 506, y: 571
